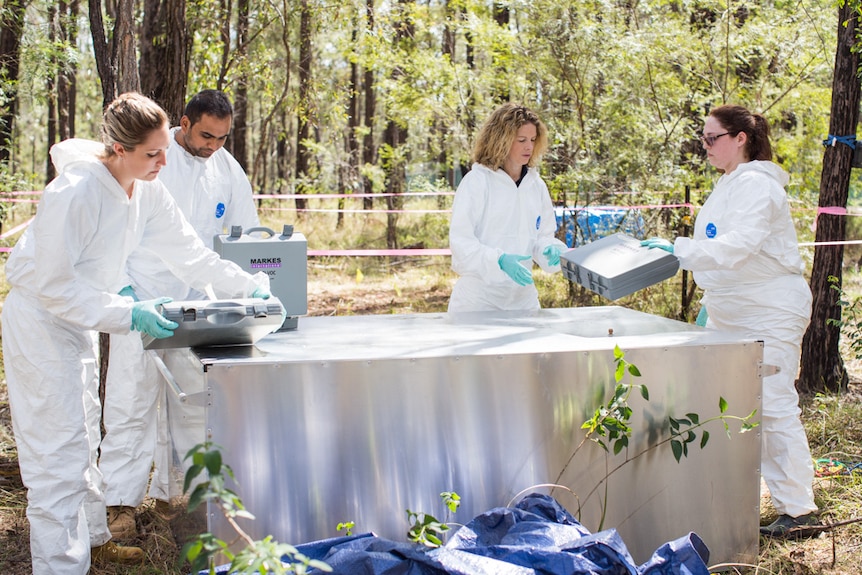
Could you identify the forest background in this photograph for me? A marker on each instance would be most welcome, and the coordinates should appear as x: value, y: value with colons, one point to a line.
x: 354, y: 120
x: 376, y: 102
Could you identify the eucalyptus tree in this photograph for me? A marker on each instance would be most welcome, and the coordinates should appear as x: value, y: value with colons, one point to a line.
x: 822, y: 367
x: 11, y: 30
x: 164, y: 54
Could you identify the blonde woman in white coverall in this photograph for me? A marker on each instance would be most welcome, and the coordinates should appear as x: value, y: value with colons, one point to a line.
x: 214, y: 194
x: 502, y: 215
x: 65, y: 273
x: 745, y: 256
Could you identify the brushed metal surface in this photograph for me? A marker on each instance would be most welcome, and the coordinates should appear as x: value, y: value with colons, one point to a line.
x: 359, y: 418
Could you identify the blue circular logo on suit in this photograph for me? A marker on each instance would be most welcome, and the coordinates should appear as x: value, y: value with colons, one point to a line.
x: 711, y: 230
x: 538, y: 222
x: 219, y: 209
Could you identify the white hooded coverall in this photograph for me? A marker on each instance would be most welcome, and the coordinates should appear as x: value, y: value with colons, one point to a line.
x: 65, y: 273
x: 213, y: 194
x: 745, y: 256
x: 492, y: 216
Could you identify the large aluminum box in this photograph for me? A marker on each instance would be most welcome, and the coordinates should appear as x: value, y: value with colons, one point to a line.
x: 358, y: 418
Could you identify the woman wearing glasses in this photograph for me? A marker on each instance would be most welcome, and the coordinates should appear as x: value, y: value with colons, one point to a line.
x: 745, y: 256
x: 502, y: 216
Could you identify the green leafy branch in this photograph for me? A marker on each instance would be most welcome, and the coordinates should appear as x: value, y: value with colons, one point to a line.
x: 257, y: 557
x: 851, y: 327
x: 610, y: 426
x: 427, y: 529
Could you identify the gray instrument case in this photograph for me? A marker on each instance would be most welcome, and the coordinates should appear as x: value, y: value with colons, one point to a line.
x: 282, y: 257
x: 617, y: 265
x: 240, y: 321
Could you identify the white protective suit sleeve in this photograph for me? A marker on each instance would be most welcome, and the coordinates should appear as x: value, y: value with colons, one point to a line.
x: 492, y: 216
x: 547, y: 232
x: 170, y: 235
x: 68, y: 256
x: 214, y: 194
x: 744, y: 231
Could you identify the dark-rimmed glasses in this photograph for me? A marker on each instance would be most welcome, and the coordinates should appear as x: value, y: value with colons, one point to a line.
x: 710, y: 140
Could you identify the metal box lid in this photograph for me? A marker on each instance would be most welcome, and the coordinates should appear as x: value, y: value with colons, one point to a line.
x: 617, y: 265
x: 218, y: 322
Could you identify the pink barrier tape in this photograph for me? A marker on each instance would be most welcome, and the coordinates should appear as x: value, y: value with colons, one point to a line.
x: 18, y: 201
x: 832, y: 210
x: 27, y: 193
x: 374, y: 211
x: 395, y: 252
x: 835, y: 243
x: 691, y: 207
x: 16, y: 229
x: 336, y: 196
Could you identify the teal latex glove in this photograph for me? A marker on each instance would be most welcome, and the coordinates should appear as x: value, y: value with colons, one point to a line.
x: 147, y: 319
x: 519, y: 274
x: 702, y: 316
x: 660, y: 243
x: 552, y: 252
x: 129, y: 291
x: 261, y: 293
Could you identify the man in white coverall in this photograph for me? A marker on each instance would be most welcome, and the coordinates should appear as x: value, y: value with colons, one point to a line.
x: 502, y: 215
x: 745, y: 256
x: 65, y: 274
x: 214, y: 194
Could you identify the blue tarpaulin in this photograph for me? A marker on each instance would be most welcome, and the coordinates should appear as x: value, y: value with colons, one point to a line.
x: 536, y: 537
x: 584, y: 225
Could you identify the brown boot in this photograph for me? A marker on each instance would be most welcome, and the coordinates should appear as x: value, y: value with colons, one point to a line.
x: 121, y: 523
x: 165, y: 510
x: 110, y: 552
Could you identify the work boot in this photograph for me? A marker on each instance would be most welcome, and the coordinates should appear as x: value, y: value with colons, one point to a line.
x: 121, y: 522
x: 110, y: 552
x: 164, y: 510
x: 787, y: 527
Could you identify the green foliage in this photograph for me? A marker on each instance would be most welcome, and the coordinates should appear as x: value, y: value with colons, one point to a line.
x: 257, y: 557
x: 346, y: 526
x: 427, y: 529
x: 612, y: 420
x: 610, y: 424
x: 850, y: 320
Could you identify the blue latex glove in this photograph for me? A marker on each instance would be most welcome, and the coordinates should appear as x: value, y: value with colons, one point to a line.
x: 552, y: 252
x: 702, y: 316
x: 660, y: 243
x: 129, y: 291
x: 147, y: 319
x: 261, y: 293
x: 519, y: 274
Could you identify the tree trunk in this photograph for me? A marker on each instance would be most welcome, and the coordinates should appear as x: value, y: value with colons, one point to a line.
x: 369, y: 154
x: 395, y: 134
x: 822, y: 367
x: 51, y: 94
x: 152, y: 49
x: 239, y: 133
x: 303, y: 154
x: 125, y: 48
x: 66, y: 85
x: 102, y: 52
x: 11, y: 28
x: 165, y: 50
x: 351, y: 179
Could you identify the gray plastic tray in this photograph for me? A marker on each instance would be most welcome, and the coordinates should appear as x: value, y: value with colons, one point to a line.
x: 218, y: 322
x: 617, y: 265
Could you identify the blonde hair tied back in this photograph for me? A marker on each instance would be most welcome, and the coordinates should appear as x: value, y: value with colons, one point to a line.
x: 128, y: 120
